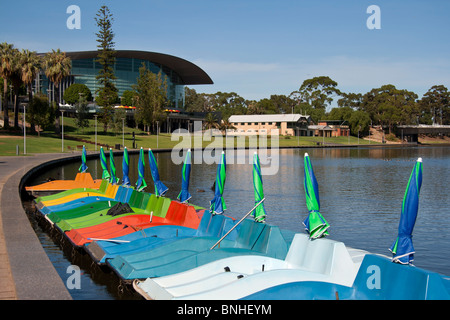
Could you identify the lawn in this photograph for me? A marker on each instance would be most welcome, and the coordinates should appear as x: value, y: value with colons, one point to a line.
x: 74, y: 138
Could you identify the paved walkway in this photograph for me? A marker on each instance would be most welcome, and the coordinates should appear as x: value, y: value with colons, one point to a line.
x: 26, y: 273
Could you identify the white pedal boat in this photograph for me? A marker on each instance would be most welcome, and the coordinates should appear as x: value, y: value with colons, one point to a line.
x: 237, y: 277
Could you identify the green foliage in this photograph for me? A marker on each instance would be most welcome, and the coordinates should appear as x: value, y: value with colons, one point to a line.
x: 73, y: 92
x: 128, y: 97
x: 390, y: 106
x: 434, y: 107
x: 317, y: 92
x: 151, y: 97
x: 107, y: 93
x: 40, y: 113
x: 81, y: 115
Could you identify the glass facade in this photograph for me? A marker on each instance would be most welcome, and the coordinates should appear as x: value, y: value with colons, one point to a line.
x: 126, y: 70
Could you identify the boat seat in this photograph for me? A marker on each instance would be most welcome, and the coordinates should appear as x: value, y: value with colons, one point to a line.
x: 158, y: 205
x: 182, y: 214
x: 271, y: 242
x: 323, y: 256
x: 379, y: 278
x: 248, y: 233
x: 204, y: 224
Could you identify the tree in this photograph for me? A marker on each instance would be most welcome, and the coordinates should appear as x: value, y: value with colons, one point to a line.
x: 30, y: 63
x: 359, y: 123
x: 317, y: 92
x: 390, y: 106
x: 40, y: 112
x: 16, y: 81
x: 352, y: 100
x: 434, y: 107
x: 193, y: 101
x: 74, y: 91
x: 81, y: 115
x: 128, y: 98
x: 151, y: 97
x: 107, y: 93
x: 6, y: 71
x: 57, y: 66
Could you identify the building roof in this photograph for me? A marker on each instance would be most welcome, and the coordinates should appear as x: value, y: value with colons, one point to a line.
x: 188, y: 72
x: 266, y: 118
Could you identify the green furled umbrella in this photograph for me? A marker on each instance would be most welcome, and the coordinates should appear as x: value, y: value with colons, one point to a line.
x: 217, y: 204
x: 260, y: 212
x: 105, y: 174
x: 315, y: 223
x: 113, y: 179
x: 83, y: 166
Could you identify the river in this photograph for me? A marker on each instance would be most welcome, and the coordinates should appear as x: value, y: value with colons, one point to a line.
x: 361, y: 194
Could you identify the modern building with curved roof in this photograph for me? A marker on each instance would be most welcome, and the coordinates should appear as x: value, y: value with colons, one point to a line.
x: 178, y: 72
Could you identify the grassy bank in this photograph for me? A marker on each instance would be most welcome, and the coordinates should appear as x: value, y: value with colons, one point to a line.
x: 74, y: 138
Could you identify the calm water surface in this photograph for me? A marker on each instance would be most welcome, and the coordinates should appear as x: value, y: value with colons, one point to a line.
x: 361, y: 193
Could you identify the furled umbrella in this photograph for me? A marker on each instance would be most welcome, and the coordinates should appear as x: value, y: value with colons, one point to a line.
x: 140, y: 183
x: 217, y: 204
x: 125, y: 168
x: 184, y: 195
x: 105, y: 174
x: 83, y: 166
x: 315, y: 223
x: 160, y: 188
x: 260, y: 212
x: 402, y: 248
x: 113, y: 179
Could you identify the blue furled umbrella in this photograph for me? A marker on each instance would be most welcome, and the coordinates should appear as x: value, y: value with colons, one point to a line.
x: 125, y: 168
x: 184, y: 195
x: 83, y: 166
x: 217, y: 204
x: 105, y: 174
x: 140, y: 183
x: 160, y: 188
x: 402, y: 248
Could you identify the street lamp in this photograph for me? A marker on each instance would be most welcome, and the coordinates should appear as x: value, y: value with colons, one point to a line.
x: 62, y: 135
x: 95, y: 116
x: 123, y: 132
x: 24, y: 132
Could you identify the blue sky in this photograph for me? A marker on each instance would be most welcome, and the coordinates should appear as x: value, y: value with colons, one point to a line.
x: 257, y: 48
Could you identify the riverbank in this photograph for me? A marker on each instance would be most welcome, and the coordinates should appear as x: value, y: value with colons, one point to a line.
x: 26, y: 272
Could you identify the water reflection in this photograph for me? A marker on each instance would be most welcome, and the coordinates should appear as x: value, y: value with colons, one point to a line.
x: 361, y: 192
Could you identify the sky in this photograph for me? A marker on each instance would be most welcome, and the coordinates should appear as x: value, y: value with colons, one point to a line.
x: 257, y: 48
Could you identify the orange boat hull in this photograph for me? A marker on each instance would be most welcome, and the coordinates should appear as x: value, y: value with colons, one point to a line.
x: 82, y: 180
x: 178, y: 214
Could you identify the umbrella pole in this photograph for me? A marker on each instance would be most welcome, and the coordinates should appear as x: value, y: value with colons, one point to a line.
x: 239, y: 222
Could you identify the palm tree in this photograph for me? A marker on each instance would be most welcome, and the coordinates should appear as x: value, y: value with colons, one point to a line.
x: 30, y: 63
x: 6, y: 72
x: 57, y: 66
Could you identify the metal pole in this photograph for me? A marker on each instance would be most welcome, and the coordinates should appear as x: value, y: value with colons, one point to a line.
x: 123, y: 132
x: 62, y: 136
x: 95, y: 132
x: 24, y: 132
x: 239, y: 222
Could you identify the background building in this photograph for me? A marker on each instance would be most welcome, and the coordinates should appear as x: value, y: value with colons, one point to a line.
x: 283, y: 124
x: 178, y: 72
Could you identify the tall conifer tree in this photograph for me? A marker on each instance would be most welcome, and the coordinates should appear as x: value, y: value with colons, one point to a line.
x: 107, y: 93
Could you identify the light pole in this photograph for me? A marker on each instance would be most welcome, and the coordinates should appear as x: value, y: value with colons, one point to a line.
x: 95, y: 116
x: 62, y: 136
x: 24, y: 132
x: 123, y: 132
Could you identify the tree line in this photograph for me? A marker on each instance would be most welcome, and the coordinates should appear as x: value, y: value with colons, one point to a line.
x: 386, y: 106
